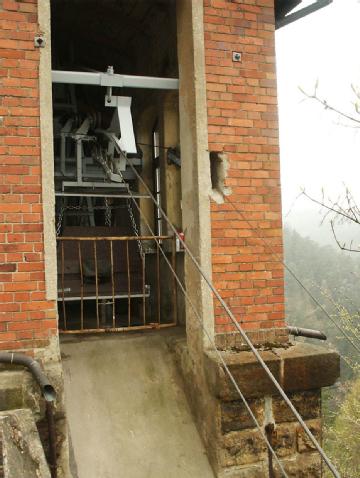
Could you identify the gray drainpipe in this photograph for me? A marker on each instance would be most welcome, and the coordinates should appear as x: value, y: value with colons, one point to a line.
x: 301, y: 332
x: 48, y: 392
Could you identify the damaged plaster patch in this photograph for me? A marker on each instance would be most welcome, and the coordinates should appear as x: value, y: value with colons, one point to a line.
x: 268, y: 411
x: 219, y: 166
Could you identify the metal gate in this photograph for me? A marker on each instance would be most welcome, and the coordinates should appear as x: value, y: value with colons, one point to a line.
x: 115, y: 284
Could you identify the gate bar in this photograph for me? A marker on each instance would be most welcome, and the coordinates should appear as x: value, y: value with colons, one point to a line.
x: 129, y: 283
x: 112, y: 283
x: 111, y: 238
x: 81, y: 287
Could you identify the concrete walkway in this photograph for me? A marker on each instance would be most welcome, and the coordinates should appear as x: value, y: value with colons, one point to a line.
x: 127, y: 412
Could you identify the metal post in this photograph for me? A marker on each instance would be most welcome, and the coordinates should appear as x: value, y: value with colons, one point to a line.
x: 173, y: 260
x: 158, y: 283
x: 63, y: 284
x: 112, y: 283
x: 129, y: 284
x: 96, y: 287
x: 81, y: 288
x: 79, y: 161
x: 143, y: 289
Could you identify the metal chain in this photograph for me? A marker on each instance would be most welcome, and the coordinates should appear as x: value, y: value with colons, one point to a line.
x: 60, y: 219
x: 73, y: 208
x: 62, y: 213
x: 107, y: 213
x: 135, y: 228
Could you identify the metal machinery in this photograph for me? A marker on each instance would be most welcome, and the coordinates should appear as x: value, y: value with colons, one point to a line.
x: 101, y: 256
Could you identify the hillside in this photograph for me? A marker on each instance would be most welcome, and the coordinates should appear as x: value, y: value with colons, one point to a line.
x: 332, y: 276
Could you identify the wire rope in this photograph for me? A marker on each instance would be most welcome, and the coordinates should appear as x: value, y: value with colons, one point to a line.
x: 239, y: 328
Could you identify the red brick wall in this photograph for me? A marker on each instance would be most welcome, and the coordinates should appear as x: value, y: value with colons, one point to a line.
x: 242, y: 122
x: 27, y: 320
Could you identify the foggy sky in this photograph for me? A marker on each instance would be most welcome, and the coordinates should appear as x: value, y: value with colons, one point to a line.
x: 316, y: 152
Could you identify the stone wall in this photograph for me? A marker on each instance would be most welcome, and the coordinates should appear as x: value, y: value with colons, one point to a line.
x: 243, y: 450
x: 234, y: 444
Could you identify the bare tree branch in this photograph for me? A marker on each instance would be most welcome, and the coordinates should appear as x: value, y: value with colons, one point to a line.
x: 349, y: 212
x: 336, y: 208
x: 342, y: 246
x: 328, y: 106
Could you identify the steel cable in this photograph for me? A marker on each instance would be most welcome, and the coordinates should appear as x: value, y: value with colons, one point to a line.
x: 280, y: 259
x: 292, y: 273
x: 239, y: 328
x: 211, y: 341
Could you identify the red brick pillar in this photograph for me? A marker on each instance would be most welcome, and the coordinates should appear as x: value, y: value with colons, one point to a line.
x: 27, y: 319
x: 243, y: 129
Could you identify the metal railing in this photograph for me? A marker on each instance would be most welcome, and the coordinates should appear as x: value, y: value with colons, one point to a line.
x: 107, y: 277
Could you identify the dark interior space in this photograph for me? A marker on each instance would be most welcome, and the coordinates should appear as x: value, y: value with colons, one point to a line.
x: 134, y: 38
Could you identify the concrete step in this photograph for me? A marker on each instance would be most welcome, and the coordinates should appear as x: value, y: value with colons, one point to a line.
x: 127, y: 411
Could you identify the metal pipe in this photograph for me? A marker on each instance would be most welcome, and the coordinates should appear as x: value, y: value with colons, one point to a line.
x: 301, y: 332
x: 52, y: 439
x: 269, y: 430
x: 47, y: 389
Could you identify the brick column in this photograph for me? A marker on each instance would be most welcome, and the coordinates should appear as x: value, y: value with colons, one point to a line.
x: 27, y: 319
x: 243, y: 131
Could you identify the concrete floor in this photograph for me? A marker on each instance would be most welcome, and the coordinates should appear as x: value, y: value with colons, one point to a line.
x: 127, y: 411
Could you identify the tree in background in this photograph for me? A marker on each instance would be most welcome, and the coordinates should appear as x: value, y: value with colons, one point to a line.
x: 343, y: 441
x: 343, y: 209
x: 332, y: 277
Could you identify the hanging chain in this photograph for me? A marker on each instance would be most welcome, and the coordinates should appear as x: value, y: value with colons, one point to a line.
x: 60, y: 219
x: 135, y: 228
x: 107, y: 212
x: 62, y: 213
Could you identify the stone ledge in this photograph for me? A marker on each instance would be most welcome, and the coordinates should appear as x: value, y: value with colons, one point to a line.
x: 299, y: 367
x: 278, y: 337
x: 22, y: 450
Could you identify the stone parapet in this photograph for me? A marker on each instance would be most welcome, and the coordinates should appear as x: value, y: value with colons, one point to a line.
x: 234, y: 444
x: 298, y: 367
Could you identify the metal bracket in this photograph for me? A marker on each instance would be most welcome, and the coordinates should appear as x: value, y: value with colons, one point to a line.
x: 236, y: 56
x: 122, y: 122
x: 39, y: 41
